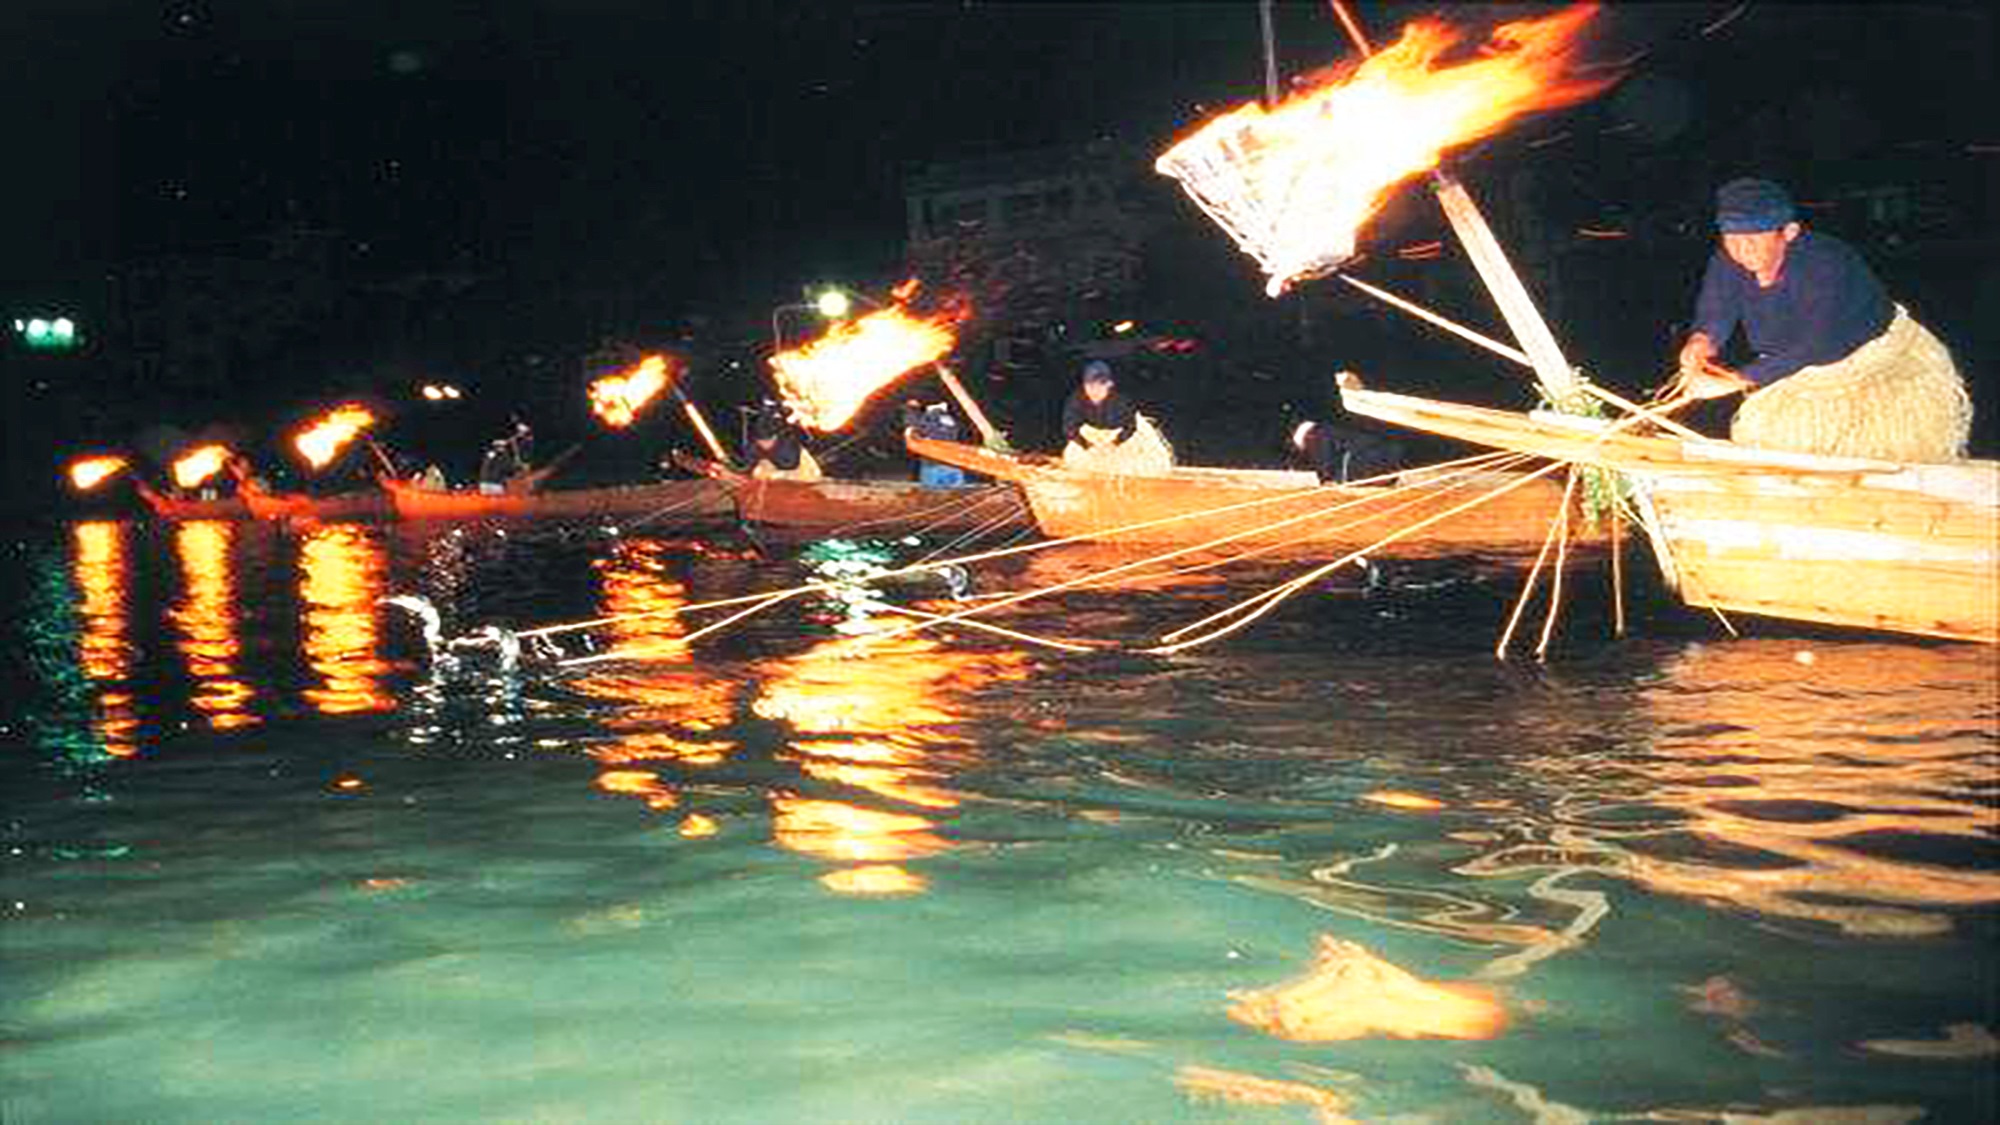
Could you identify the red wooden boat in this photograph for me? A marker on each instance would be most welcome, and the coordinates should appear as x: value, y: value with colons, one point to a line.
x: 265, y: 504
x: 866, y: 507
x: 167, y: 507
x: 679, y: 500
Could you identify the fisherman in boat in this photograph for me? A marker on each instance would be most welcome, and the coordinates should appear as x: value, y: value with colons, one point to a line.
x: 1104, y: 432
x: 1840, y: 369
x: 934, y: 421
x: 497, y: 467
x: 777, y: 448
x: 1342, y: 452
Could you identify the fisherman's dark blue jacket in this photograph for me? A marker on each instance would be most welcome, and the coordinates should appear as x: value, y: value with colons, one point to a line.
x: 1826, y: 303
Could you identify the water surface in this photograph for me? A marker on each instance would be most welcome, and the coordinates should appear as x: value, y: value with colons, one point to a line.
x: 265, y: 860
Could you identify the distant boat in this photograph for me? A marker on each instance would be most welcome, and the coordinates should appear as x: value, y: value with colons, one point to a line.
x: 1835, y: 540
x: 168, y: 507
x: 267, y: 504
x: 683, y: 500
x: 834, y: 505
x: 1280, y: 512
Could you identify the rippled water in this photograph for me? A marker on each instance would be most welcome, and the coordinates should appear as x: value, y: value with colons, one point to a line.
x: 264, y: 861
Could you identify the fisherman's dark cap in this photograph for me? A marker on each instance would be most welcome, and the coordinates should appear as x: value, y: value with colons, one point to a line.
x: 1097, y: 371
x: 1751, y: 206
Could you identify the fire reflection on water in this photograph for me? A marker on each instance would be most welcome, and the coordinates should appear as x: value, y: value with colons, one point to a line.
x: 1848, y: 784
x: 102, y: 569
x: 880, y: 723
x: 341, y: 578
x: 206, y: 617
x: 672, y: 709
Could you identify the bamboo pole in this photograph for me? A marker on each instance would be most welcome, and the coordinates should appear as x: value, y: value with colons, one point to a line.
x: 1354, y: 31
x: 988, y: 435
x: 701, y: 427
x: 1651, y: 415
x: 1530, y: 330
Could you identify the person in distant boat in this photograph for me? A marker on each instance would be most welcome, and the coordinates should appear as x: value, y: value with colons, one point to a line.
x: 935, y: 421
x: 1839, y: 368
x: 1104, y: 431
x: 523, y: 441
x: 498, y: 466
x: 777, y: 448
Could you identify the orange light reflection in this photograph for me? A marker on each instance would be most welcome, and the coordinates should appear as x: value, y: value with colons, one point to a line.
x: 883, y: 724
x: 102, y: 568
x: 672, y: 705
x: 341, y: 577
x: 206, y: 619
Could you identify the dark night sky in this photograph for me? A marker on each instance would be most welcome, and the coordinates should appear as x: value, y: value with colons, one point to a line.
x: 728, y: 145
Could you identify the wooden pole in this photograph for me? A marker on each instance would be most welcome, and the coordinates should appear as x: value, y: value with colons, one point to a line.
x: 1354, y: 31
x: 700, y: 423
x: 987, y: 434
x: 1530, y: 330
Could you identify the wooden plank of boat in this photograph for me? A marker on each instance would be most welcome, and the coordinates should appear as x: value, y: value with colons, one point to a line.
x: 867, y: 507
x: 264, y: 504
x: 168, y: 507
x: 684, y: 500
x: 1834, y: 540
x: 1277, y: 511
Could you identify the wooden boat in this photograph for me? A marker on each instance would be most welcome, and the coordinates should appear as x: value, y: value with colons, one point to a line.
x: 1273, y: 511
x: 1835, y: 540
x: 682, y: 500
x: 266, y: 504
x: 166, y: 507
x: 866, y: 507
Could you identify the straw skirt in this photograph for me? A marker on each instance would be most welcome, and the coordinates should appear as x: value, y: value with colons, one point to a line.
x: 1897, y: 397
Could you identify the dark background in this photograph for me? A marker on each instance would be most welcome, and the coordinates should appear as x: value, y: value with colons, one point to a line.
x: 493, y: 191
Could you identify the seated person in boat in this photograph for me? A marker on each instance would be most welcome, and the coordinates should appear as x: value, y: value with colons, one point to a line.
x: 1104, y: 432
x: 934, y: 421
x: 498, y: 467
x: 1340, y: 454
x: 1839, y: 368
x: 777, y: 448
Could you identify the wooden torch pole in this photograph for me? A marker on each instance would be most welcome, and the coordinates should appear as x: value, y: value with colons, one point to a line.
x: 1558, y: 379
x: 987, y: 434
x: 700, y: 422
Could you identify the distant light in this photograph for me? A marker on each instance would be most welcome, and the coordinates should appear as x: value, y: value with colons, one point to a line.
x: 63, y: 329
x: 38, y: 329
x: 433, y: 392
x: 832, y: 303
x: 1123, y: 327
x: 1600, y: 232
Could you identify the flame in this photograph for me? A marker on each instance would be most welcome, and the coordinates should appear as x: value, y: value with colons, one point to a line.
x: 90, y: 472
x: 322, y: 441
x: 1295, y: 184
x: 197, y: 466
x: 827, y: 380
x: 618, y: 399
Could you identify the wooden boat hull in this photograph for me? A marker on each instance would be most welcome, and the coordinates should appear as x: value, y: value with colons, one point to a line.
x: 867, y: 507
x: 372, y: 504
x: 168, y: 507
x: 1841, y: 541
x: 682, y: 500
x: 1274, y: 512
